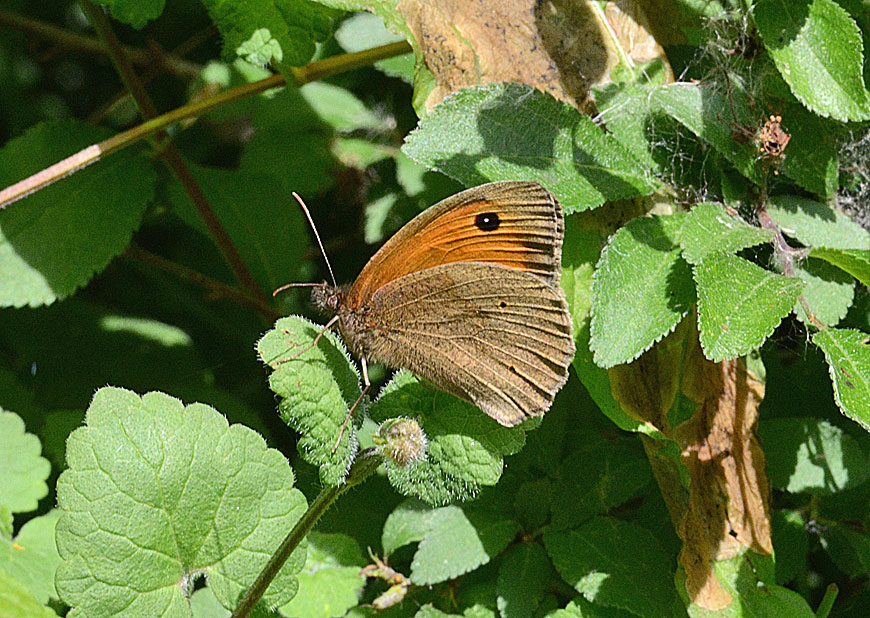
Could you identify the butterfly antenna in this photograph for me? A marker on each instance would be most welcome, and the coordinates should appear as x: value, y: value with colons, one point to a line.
x: 298, y: 285
x: 317, y: 236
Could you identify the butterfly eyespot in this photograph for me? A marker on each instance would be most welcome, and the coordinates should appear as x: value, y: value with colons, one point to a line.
x: 513, y: 369
x: 502, y: 304
x: 487, y: 221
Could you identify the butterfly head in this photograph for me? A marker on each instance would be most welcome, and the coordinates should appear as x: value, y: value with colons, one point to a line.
x: 328, y: 298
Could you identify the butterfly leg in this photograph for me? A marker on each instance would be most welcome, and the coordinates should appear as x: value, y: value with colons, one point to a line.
x: 366, y: 385
x: 313, y: 344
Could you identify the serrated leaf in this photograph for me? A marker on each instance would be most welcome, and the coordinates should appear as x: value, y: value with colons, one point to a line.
x: 137, y: 13
x: 848, y: 358
x: 408, y: 523
x: 828, y: 291
x: 295, y: 25
x: 158, y: 493
x: 509, y: 131
x: 640, y: 281
x: 522, y: 580
x: 816, y: 224
x: 616, y: 564
x: 817, y: 48
x: 812, y: 156
x: 709, y: 228
x: 714, y: 117
x: 458, y: 541
x: 16, y: 600
x: 24, y: 470
x: 317, y: 389
x: 55, y: 240
x: 853, y: 261
x: 466, y: 448
x: 811, y: 455
x: 330, y: 582
x: 740, y: 304
x: 32, y: 556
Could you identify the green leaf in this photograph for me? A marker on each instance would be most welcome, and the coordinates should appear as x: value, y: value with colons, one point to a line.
x: 317, y: 389
x: 817, y: 48
x: 137, y: 13
x: 522, y: 580
x: 848, y: 548
x: 790, y: 544
x: 330, y: 583
x: 261, y: 48
x: 295, y: 25
x: 458, y: 541
x: 616, y: 564
x: 829, y: 292
x: 24, y: 470
x: 466, y: 448
x: 32, y: 556
x: 854, y: 262
x: 811, y: 455
x: 625, y: 109
x: 408, y: 523
x: 16, y: 600
x: 640, y: 280
x: 740, y: 304
x: 612, y: 474
x: 267, y: 228
x: 340, y: 108
x: 363, y: 31
x: 816, y: 224
x: 710, y: 229
x: 581, y: 608
x: 812, y: 156
x: 848, y: 359
x: 714, y: 117
x: 55, y: 240
x: 158, y: 494
x: 510, y: 131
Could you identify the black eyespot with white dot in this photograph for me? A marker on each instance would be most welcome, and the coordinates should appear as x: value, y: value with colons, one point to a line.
x: 487, y: 221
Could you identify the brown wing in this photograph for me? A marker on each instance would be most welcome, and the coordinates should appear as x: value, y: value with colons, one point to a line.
x: 516, y: 224
x: 497, y: 337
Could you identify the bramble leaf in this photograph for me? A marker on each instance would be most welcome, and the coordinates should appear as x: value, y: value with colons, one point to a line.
x: 642, y: 280
x: 848, y: 355
x: 511, y: 131
x: 740, y: 304
x: 54, y: 241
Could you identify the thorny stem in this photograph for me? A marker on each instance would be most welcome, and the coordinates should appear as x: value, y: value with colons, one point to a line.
x: 95, y: 152
x: 171, y: 153
x: 363, y: 467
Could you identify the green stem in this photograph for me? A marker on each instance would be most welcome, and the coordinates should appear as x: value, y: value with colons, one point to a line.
x: 363, y: 467
x: 827, y: 601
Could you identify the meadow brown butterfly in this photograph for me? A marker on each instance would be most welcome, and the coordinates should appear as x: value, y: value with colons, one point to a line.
x: 466, y: 296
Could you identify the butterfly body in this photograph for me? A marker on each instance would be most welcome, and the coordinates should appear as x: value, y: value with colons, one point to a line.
x: 467, y: 297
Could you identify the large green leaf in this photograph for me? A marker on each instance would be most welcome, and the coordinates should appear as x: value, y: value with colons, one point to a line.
x: 158, y: 494
x: 512, y: 131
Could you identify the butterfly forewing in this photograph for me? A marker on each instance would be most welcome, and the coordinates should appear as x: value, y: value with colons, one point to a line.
x: 515, y: 224
x: 498, y: 337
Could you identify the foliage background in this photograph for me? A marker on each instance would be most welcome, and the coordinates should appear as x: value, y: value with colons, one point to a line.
x: 112, y: 277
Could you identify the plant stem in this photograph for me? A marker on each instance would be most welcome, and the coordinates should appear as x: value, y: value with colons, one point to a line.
x: 363, y: 467
x: 827, y: 601
x: 171, y: 154
x: 95, y: 152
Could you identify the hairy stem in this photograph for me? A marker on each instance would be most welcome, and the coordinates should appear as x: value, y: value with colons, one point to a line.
x: 363, y: 467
